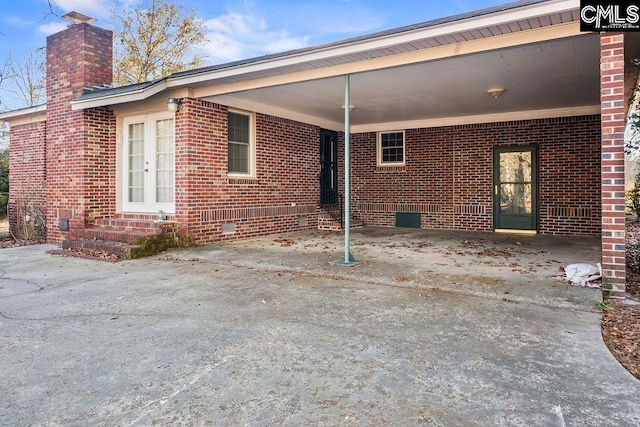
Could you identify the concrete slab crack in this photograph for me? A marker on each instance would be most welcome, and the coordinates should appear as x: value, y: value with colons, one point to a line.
x: 159, y: 403
x: 113, y: 316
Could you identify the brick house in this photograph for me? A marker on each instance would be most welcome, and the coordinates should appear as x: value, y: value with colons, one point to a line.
x: 502, y: 119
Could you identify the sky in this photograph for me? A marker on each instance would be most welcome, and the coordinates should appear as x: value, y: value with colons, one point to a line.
x: 238, y: 29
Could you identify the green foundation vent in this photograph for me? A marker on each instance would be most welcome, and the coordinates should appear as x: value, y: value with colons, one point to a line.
x: 408, y: 219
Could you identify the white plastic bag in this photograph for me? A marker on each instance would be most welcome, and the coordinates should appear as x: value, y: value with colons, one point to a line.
x: 581, y: 273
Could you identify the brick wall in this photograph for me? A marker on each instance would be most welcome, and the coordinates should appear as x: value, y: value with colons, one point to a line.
x: 27, y: 175
x: 282, y: 197
x: 99, y: 158
x: 613, y: 108
x: 78, y: 177
x: 448, y: 175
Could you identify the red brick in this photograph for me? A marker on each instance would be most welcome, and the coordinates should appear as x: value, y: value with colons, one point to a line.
x: 613, y: 122
x: 448, y: 175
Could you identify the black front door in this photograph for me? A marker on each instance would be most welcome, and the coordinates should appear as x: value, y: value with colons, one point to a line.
x: 328, y: 166
x: 515, y: 188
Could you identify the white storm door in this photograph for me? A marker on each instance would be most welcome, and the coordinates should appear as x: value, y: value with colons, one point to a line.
x: 149, y: 164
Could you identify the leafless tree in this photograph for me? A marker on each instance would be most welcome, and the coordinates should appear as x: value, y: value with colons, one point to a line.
x: 25, y: 83
x: 5, y: 75
x: 155, y: 39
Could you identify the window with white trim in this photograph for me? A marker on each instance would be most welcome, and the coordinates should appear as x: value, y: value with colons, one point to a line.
x: 241, y: 150
x: 391, y: 148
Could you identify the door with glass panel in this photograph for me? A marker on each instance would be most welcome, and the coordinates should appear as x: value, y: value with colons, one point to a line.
x: 149, y: 164
x: 515, y: 189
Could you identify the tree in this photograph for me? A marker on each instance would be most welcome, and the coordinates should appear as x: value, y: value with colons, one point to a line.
x: 155, y: 41
x: 632, y: 129
x: 28, y: 80
x: 4, y: 76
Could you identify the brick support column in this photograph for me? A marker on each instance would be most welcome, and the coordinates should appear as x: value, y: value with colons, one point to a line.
x: 612, y: 97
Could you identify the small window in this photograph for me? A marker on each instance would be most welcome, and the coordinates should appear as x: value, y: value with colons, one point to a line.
x: 391, y: 148
x: 240, y: 149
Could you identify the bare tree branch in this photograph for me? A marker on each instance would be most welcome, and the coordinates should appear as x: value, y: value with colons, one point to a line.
x: 155, y: 40
x: 5, y: 76
x: 51, y: 4
x: 28, y: 78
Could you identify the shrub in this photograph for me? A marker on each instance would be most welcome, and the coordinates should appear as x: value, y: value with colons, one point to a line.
x: 4, y: 181
x: 633, y: 197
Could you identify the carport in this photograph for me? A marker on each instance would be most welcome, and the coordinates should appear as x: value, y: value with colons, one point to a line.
x: 514, y: 64
x: 494, y: 121
x: 515, y: 268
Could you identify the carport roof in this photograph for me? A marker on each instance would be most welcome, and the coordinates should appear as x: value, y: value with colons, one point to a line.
x: 96, y: 93
x: 431, y: 73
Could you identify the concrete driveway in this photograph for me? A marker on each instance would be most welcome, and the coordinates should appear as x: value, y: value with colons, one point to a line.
x: 197, y: 338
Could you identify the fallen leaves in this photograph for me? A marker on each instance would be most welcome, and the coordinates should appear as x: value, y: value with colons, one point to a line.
x: 621, y: 323
x: 10, y: 243
x: 285, y: 242
x: 621, y: 333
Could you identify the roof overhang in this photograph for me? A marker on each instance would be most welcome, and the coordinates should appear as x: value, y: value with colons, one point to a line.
x: 451, y: 37
x: 115, y: 96
x: 25, y: 115
x: 430, y: 74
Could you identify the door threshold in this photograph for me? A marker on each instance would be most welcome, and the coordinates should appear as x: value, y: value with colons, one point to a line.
x: 512, y: 231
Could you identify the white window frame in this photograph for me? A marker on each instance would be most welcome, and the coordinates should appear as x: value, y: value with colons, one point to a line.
x: 252, y: 145
x: 379, y: 149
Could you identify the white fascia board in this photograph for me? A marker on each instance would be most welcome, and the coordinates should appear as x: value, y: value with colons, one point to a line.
x: 25, y: 115
x: 480, y: 118
x: 138, y: 95
x: 525, y: 12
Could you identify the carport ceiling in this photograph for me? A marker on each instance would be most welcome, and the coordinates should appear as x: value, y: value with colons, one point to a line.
x: 562, y: 73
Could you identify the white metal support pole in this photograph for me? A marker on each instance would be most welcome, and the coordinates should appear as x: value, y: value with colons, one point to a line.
x: 348, y: 258
x: 347, y: 171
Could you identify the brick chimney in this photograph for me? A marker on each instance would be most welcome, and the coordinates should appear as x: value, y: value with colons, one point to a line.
x: 79, y: 144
